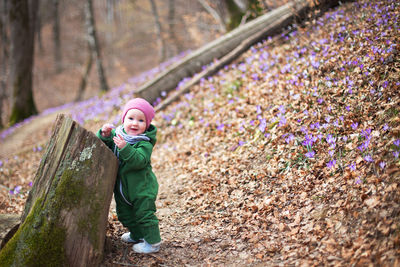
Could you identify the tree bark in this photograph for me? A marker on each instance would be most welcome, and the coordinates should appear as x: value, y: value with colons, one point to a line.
x: 65, y: 217
x: 160, y: 39
x: 8, y: 226
x: 4, y: 45
x: 171, y: 28
x: 22, y: 17
x: 56, y: 37
x: 38, y: 30
x: 214, y: 14
x: 85, y: 75
x: 94, y: 44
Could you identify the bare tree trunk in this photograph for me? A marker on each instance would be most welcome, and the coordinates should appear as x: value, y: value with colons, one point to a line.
x: 22, y: 17
x: 160, y: 40
x: 94, y: 44
x: 39, y: 33
x: 171, y: 26
x: 65, y: 217
x: 4, y: 44
x: 56, y: 37
x: 215, y: 15
x: 85, y: 75
x: 109, y: 9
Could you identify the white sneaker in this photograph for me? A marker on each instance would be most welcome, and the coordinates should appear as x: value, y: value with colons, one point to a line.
x: 145, y: 247
x: 127, y: 238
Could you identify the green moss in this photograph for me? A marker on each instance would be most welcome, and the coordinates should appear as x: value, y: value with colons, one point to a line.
x: 38, y: 242
x: 69, y: 190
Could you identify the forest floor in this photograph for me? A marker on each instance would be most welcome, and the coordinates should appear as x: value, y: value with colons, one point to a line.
x: 288, y: 156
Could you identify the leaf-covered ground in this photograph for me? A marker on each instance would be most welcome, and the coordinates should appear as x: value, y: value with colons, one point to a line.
x: 288, y: 156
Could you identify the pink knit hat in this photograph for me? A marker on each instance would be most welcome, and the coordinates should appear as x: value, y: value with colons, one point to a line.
x: 142, y: 105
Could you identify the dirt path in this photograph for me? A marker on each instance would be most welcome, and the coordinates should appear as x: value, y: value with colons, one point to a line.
x: 32, y: 134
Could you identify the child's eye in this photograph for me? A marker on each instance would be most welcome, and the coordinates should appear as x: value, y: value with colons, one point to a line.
x: 141, y: 120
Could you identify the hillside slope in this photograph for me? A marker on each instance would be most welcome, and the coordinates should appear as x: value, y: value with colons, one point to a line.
x: 288, y: 156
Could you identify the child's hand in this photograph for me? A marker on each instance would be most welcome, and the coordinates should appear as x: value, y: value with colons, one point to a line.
x: 119, y: 141
x: 106, y: 129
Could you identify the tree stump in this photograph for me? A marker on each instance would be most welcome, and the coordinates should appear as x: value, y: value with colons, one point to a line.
x: 65, y: 217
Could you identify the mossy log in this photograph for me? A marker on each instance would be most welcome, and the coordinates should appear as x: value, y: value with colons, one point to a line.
x: 65, y: 217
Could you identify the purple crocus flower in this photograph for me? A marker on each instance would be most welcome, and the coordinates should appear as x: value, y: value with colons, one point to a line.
x: 220, y: 127
x: 330, y: 139
x: 310, y: 154
x: 282, y: 121
x: 309, y: 140
x: 352, y: 166
x: 331, y: 164
x: 385, y: 127
x: 396, y: 142
x: 382, y: 164
x: 17, y: 189
x: 282, y: 109
x: 263, y: 125
x: 368, y: 158
x: 289, y: 138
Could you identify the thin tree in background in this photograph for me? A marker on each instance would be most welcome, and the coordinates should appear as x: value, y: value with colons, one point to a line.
x: 94, y: 44
x: 22, y: 18
x: 4, y: 44
x: 214, y: 13
x: 56, y: 36
x: 171, y: 26
x: 109, y: 14
x: 85, y: 75
x: 160, y: 40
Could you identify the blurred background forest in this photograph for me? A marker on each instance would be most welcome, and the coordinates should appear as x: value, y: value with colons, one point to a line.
x: 131, y: 36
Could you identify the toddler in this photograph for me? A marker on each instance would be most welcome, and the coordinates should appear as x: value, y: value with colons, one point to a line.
x: 136, y: 187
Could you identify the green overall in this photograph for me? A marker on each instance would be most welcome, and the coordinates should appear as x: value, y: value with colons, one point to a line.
x: 136, y: 187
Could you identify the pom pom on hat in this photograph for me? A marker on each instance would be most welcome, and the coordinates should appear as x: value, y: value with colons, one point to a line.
x: 142, y: 105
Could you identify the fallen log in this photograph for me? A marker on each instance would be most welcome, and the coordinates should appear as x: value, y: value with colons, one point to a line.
x: 227, y: 48
x: 191, y: 64
x: 65, y: 217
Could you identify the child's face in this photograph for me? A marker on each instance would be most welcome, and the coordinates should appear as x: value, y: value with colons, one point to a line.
x: 135, y: 122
